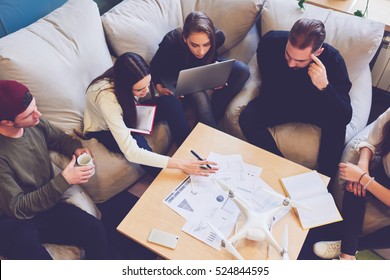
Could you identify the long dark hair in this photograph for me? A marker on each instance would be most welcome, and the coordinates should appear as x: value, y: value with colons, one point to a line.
x: 383, y: 148
x: 196, y: 22
x: 128, y: 69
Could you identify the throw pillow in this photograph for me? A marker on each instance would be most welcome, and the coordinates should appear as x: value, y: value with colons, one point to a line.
x: 139, y: 26
x: 56, y: 58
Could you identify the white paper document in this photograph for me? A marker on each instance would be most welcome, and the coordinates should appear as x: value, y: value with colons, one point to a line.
x: 201, y: 200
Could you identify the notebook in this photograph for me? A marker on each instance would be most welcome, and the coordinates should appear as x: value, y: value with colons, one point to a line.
x: 201, y: 78
x: 145, y: 119
x: 310, y: 190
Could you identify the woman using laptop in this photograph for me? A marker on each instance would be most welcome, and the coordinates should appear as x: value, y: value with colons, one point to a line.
x: 111, y: 110
x: 195, y: 45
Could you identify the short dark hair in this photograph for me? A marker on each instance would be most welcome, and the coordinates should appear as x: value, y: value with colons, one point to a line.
x: 307, y: 32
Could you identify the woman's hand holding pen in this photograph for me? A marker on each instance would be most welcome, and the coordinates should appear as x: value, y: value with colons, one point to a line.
x: 193, y: 167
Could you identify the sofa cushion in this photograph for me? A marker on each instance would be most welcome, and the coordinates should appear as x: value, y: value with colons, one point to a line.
x: 113, y: 172
x: 234, y: 18
x: 357, y: 40
x: 139, y: 26
x: 56, y: 58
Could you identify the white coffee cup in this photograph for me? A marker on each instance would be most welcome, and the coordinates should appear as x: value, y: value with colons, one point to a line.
x: 85, y: 159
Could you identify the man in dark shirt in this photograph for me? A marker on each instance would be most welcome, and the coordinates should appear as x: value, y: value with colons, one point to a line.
x: 303, y: 80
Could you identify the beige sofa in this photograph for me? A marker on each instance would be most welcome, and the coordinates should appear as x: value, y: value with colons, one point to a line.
x: 57, y: 57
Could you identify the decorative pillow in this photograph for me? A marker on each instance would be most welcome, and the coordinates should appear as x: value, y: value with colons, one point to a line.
x: 113, y: 172
x: 139, y: 26
x: 235, y: 18
x: 56, y: 58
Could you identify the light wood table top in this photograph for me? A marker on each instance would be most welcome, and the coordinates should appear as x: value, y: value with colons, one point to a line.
x: 378, y: 10
x: 150, y: 211
x: 338, y: 5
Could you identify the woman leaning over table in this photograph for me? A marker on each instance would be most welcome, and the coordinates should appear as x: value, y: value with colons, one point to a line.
x: 361, y: 180
x: 110, y: 112
x: 195, y: 45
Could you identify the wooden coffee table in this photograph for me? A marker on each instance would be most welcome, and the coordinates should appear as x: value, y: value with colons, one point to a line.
x: 150, y: 211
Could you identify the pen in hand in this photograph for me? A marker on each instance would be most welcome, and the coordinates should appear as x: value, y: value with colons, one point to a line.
x: 198, y: 157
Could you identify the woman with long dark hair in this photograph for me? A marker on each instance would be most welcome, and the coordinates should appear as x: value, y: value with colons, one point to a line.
x: 196, y: 44
x: 363, y: 179
x: 111, y: 110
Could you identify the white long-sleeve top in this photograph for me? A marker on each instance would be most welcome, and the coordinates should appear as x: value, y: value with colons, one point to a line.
x: 375, y: 136
x: 103, y: 112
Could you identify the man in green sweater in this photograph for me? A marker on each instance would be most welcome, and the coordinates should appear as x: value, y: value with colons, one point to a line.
x: 30, y: 209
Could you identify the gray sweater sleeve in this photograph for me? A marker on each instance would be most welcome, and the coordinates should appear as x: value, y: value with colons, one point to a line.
x: 27, y: 182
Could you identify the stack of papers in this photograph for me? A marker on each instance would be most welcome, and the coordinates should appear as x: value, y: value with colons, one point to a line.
x: 200, y: 200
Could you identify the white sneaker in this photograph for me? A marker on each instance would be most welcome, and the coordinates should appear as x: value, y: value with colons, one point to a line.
x: 327, y: 249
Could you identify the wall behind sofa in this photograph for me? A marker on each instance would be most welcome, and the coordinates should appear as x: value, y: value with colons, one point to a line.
x: 16, y: 14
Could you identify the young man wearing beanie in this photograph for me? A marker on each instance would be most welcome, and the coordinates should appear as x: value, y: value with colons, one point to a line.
x: 30, y: 208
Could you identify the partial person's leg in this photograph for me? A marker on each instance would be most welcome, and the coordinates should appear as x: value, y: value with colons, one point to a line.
x: 170, y: 109
x: 221, y: 98
x: 67, y: 224
x: 108, y: 140
x: 142, y: 143
x: 113, y: 212
x: 105, y: 137
x: 328, y: 232
x: 255, y: 128
x: 20, y: 240
x: 380, y: 238
x: 331, y: 148
x: 200, y: 101
x: 353, y: 212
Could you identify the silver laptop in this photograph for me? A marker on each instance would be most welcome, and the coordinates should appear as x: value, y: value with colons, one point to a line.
x: 201, y: 78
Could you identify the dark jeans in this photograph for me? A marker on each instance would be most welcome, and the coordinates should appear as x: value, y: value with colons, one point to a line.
x: 353, y: 211
x: 113, y: 212
x: 349, y: 230
x: 257, y: 117
x: 169, y: 109
x: 210, y: 109
x: 63, y: 224
x: 20, y: 240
